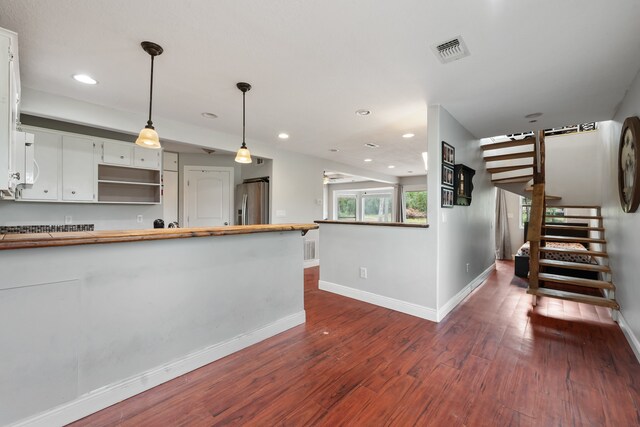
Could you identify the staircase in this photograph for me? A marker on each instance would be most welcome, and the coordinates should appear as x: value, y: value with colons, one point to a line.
x: 524, y: 175
x: 555, y: 285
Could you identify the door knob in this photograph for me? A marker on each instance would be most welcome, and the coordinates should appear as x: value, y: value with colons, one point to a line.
x: 226, y: 223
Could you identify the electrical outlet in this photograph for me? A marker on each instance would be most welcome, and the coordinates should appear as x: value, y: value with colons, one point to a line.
x: 139, y: 218
x: 68, y: 219
x: 467, y: 267
x: 363, y: 272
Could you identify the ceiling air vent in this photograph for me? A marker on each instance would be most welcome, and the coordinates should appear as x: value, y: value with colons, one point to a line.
x: 371, y: 145
x: 450, y: 50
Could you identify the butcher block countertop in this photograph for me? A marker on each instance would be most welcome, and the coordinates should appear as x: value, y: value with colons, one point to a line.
x: 43, y: 240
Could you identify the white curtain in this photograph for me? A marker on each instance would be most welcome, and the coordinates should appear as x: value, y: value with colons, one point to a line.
x: 399, y: 202
x: 503, y: 240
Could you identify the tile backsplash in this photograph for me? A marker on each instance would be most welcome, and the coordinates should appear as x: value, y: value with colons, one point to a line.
x: 24, y: 229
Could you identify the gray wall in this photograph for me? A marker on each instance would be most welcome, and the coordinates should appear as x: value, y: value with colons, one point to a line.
x: 464, y: 233
x: 623, y: 229
x: 89, y: 317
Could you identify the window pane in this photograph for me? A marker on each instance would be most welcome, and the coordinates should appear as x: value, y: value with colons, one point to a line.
x: 376, y: 207
x: 416, y: 207
x: 346, y: 208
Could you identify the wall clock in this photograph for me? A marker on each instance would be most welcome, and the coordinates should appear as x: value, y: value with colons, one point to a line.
x: 629, y: 165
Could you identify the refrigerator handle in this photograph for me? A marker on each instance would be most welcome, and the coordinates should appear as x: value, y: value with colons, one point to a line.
x: 245, y: 217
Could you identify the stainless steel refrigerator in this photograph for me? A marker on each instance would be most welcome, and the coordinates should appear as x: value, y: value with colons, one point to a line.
x: 252, y: 202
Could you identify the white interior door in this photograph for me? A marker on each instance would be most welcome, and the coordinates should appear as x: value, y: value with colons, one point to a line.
x: 207, y: 196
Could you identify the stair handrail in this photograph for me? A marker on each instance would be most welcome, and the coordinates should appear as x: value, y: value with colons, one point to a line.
x: 537, y: 211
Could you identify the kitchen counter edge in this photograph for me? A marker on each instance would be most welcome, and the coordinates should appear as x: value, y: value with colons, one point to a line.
x: 43, y: 240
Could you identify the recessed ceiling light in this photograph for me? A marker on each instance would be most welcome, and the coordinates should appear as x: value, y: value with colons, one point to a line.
x: 391, y: 166
x: 363, y: 112
x: 283, y: 135
x: 533, y: 116
x: 83, y: 78
x: 368, y: 160
x: 209, y: 116
x: 334, y: 150
x: 371, y: 145
x: 408, y: 135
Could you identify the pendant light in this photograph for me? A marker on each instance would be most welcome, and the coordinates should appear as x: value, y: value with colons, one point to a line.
x: 148, y: 137
x: 243, y: 155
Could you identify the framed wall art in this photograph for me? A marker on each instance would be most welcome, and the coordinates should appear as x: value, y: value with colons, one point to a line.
x: 446, y: 197
x: 448, y: 154
x: 447, y: 175
x: 629, y: 165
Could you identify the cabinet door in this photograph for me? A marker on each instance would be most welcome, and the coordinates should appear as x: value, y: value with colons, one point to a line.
x: 46, y: 167
x: 5, y: 113
x: 116, y: 154
x: 146, y: 158
x: 77, y: 169
x: 170, y: 161
x: 170, y: 197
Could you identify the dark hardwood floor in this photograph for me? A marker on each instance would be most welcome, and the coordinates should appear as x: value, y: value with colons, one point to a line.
x: 492, y: 362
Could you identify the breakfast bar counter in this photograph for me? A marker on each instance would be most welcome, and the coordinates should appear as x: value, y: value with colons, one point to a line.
x: 84, y: 325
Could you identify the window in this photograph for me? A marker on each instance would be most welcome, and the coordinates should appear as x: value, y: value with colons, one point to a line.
x: 376, y: 207
x: 415, y: 206
x: 373, y: 205
x: 346, y: 207
x: 525, y: 208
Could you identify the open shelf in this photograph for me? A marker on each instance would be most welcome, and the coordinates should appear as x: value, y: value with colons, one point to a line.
x: 127, y: 185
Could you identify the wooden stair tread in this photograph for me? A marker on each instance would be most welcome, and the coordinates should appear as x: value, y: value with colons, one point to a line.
x: 575, y: 216
x: 570, y: 227
x: 574, y: 252
x: 512, y: 179
x: 508, y: 144
x: 574, y: 206
x: 572, y: 296
x: 568, y: 280
x: 570, y: 239
x: 508, y: 168
x: 511, y: 156
x: 574, y: 265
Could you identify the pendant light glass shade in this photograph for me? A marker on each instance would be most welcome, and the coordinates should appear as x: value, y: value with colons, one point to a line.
x: 243, y: 155
x: 148, y: 137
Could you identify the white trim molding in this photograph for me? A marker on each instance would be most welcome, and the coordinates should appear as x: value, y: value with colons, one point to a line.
x: 106, y: 396
x: 380, y: 300
x: 311, y: 262
x: 629, y: 335
x: 460, y: 296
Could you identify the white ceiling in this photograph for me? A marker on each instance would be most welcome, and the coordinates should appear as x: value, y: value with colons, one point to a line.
x: 312, y: 64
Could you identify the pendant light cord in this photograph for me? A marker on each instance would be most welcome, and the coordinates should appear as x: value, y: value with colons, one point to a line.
x: 149, y: 122
x: 243, y: 119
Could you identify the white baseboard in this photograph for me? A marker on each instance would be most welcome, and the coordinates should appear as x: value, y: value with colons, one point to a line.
x: 106, y: 396
x: 631, y: 337
x: 457, y: 299
x: 311, y: 263
x: 382, y: 301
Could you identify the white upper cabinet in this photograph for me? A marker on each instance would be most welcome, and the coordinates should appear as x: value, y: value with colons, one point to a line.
x: 114, y: 153
x: 170, y: 161
x: 146, y: 158
x: 78, y: 169
x: 46, y: 168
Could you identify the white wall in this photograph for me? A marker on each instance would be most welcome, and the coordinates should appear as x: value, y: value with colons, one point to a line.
x: 573, y: 168
x: 104, y: 217
x: 465, y: 233
x: 623, y: 229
